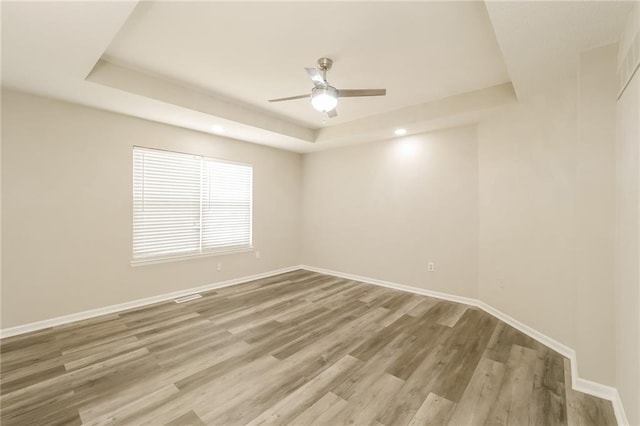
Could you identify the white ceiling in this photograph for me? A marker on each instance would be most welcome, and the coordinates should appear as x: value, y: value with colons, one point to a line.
x: 541, y: 40
x: 205, y: 64
x: 252, y: 52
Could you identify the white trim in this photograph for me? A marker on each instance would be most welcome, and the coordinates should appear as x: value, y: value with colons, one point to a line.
x: 578, y: 384
x: 593, y: 388
x: 605, y: 392
x: 164, y: 259
x: 34, y: 326
x: 395, y: 286
x: 531, y: 332
x: 542, y: 338
x: 618, y: 409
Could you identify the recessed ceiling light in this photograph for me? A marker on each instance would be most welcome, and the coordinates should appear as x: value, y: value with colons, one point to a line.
x: 217, y: 128
x: 400, y: 132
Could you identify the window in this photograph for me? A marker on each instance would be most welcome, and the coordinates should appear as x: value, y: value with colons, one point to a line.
x: 186, y: 205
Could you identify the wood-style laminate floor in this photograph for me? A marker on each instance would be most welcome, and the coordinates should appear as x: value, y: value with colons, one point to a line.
x: 300, y: 348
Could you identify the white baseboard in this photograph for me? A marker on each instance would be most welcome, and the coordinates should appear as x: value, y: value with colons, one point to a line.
x: 34, y: 326
x: 605, y: 392
x: 578, y: 384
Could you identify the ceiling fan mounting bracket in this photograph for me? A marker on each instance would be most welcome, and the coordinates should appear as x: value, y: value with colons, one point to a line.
x: 324, y: 64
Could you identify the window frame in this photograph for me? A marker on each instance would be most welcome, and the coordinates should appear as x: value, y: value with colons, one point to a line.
x: 203, y: 252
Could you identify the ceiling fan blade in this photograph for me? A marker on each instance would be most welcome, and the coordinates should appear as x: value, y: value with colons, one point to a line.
x: 290, y: 98
x: 316, y: 77
x: 350, y: 93
x: 333, y: 113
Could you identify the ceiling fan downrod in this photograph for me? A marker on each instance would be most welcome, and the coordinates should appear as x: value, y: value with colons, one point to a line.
x: 324, y: 65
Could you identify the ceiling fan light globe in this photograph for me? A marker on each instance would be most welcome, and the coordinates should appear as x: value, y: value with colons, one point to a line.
x: 324, y: 99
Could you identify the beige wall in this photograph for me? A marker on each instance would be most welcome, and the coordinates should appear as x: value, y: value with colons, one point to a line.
x: 526, y: 237
x: 627, y: 253
x: 67, y: 200
x: 386, y: 209
x: 594, y: 214
x: 627, y: 237
x: 547, y: 212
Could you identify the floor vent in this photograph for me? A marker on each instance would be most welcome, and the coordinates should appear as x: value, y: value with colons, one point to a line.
x: 188, y: 298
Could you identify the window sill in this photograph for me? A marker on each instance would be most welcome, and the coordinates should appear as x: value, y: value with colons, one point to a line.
x: 154, y: 260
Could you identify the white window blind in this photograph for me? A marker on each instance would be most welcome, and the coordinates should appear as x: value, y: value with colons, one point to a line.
x: 188, y: 205
x: 226, y: 206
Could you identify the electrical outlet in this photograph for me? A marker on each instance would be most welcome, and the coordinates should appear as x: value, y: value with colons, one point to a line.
x: 431, y: 266
x: 257, y: 254
x: 219, y: 267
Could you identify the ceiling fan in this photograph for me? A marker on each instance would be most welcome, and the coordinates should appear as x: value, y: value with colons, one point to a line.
x: 324, y: 97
